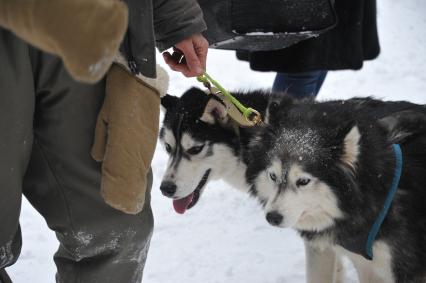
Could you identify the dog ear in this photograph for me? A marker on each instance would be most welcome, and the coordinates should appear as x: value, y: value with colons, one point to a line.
x: 215, y: 111
x: 168, y: 101
x: 256, y: 143
x: 257, y: 137
x: 350, y: 137
x: 278, y: 108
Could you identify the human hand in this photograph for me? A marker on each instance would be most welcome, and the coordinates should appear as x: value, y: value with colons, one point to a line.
x: 192, y: 53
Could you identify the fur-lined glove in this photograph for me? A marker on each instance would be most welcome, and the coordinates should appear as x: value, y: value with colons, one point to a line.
x: 126, y: 136
x: 85, y: 34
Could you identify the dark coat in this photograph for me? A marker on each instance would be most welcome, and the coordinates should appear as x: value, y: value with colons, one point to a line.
x: 161, y: 23
x: 352, y: 41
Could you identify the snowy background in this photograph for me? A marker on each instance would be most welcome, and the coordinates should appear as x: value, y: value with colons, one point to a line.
x: 225, y: 237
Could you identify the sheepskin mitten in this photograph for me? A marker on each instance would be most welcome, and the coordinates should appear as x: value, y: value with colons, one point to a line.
x: 85, y: 34
x: 125, y: 137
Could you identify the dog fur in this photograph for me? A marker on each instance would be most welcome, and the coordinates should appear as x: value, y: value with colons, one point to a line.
x: 203, y: 145
x: 326, y: 173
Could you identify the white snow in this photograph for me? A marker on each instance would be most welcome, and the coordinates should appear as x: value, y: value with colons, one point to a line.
x: 225, y: 237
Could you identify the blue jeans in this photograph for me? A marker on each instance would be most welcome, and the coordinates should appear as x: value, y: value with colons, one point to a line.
x: 300, y: 85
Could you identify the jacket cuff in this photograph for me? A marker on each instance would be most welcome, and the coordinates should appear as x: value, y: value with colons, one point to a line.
x: 197, y: 26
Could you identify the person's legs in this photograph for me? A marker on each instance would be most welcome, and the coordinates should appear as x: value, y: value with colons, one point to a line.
x: 97, y: 242
x: 16, y: 123
x: 300, y: 85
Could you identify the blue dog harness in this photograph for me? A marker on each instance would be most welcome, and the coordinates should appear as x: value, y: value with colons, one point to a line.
x: 391, y: 194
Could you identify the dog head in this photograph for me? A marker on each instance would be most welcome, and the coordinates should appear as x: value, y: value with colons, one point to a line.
x: 199, y: 144
x: 304, y: 168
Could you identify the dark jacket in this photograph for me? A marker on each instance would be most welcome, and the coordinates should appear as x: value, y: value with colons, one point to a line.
x: 352, y: 41
x: 161, y: 23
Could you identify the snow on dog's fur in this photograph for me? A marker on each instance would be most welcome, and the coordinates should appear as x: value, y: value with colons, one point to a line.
x: 326, y: 173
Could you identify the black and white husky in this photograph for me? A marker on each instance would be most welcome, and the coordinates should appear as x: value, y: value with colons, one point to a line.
x: 204, y: 145
x: 332, y: 173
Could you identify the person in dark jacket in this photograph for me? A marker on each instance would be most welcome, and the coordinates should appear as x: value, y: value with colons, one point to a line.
x: 302, y: 68
x: 48, y: 114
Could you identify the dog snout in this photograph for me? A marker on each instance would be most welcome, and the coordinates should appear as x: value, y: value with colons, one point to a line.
x: 274, y: 218
x: 168, y: 188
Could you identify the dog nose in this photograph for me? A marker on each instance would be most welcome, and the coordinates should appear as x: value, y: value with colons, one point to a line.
x: 168, y: 189
x: 274, y: 218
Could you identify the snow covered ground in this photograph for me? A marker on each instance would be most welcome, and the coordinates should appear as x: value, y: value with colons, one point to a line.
x: 225, y: 237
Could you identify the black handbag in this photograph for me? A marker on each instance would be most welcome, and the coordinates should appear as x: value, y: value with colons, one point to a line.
x: 256, y: 25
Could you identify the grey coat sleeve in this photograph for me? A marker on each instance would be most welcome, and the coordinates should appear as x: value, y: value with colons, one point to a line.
x: 175, y: 20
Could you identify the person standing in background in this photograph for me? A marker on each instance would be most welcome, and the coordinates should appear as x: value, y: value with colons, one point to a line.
x: 302, y: 68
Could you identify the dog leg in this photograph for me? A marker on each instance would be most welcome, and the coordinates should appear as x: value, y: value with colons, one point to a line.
x: 323, y: 265
x: 366, y: 274
x: 376, y: 271
x: 339, y: 270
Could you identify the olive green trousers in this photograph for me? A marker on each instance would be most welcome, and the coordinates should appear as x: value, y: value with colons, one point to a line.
x: 47, y: 124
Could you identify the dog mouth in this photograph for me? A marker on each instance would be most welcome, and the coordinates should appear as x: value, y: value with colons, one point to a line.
x: 188, y: 202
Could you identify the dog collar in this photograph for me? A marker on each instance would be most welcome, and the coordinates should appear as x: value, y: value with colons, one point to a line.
x: 391, y: 194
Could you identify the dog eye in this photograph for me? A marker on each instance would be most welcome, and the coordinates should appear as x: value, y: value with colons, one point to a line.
x: 195, y: 149
x: 168, y: 148
x: 273, y: 177
x: 302, y: 182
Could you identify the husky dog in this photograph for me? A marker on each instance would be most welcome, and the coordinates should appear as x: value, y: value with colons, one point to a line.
x: 327, y: 171
x: 204, y: 145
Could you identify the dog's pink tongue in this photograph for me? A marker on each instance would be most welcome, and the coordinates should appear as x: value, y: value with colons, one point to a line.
x: 180, y: 205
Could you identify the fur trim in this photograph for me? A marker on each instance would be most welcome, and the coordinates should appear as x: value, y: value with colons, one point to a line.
x: 161, y: 83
